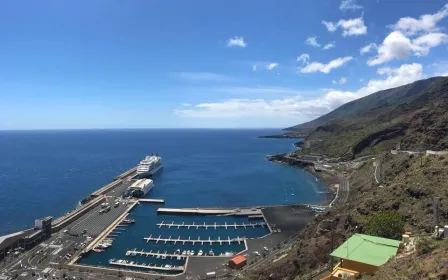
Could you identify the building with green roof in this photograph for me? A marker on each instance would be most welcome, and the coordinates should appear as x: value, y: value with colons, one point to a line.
x: 365, y: 253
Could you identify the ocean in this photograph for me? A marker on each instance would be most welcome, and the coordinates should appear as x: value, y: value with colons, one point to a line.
x: 46, y: 173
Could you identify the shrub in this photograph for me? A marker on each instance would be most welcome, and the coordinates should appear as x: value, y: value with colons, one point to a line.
x: 387, y: 224
x: 425, y: 245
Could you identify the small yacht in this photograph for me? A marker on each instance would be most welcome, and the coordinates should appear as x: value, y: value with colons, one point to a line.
x: 188, y: 252
x: 184, y: 252
x: 179, y: 258
x: 211, y: 253
x: 200, y: 253
x: 158, y: 257
x: 177, y: 251
x: 192, y: 253
x: 163, y: 257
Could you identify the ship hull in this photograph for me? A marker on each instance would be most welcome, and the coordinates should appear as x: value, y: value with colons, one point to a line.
x: 150, y: 172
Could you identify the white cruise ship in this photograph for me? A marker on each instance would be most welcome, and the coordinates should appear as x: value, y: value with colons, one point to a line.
x: 140, y: 187
x: 149, y: 166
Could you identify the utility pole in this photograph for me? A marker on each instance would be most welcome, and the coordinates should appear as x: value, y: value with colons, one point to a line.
x: 332, y: 246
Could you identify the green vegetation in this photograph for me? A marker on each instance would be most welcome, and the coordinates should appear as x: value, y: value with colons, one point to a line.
x: 385, y: 224
x: 425, y: 244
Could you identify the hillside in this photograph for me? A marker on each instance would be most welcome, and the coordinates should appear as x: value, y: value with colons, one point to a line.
x: 409, y: 184
x: 414, y: 116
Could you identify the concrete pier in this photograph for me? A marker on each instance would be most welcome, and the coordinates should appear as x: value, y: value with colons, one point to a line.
x: 149, y: 200
x: 173, y: 268
x: 195, y: 211
x: 153, y: 254
x: 215, y: 226
x: 193, y: 241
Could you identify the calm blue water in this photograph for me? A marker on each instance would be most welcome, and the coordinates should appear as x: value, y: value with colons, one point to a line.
x: 47, y: 172
x: 146, y: 220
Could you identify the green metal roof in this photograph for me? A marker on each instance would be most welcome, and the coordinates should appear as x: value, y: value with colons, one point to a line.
x: 367, y: 249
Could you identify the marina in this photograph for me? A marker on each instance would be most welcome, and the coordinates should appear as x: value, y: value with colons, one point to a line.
x: 123, y: 214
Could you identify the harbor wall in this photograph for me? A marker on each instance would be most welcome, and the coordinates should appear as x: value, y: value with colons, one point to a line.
x: 98, y: 199
x: 76, y: 214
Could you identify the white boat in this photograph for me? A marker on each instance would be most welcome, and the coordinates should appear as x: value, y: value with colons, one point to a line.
x: 188, y: 252
x: 184, y: 252
x: 149, y: 166
x: 211, y: 253
x: 178, y: 258
x: 192, y: 253
x: 177, y: 251
x: 200, y: 253
x: 140, y: 187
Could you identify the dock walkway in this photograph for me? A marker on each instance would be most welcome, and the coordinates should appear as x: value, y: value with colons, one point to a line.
x: 172, y: 268
x: 213, y: 226
x: 194, y: 241
x: 195, y: 211
x: 153, y: 254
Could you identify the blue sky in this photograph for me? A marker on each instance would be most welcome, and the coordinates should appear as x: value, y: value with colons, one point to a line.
x: 139, y: 64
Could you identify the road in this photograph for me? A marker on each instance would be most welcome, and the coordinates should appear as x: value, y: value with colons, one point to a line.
x: 343, y: 190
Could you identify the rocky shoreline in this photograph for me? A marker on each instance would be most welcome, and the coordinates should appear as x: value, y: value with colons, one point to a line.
x: 328, y: 180
x: 285, y: 136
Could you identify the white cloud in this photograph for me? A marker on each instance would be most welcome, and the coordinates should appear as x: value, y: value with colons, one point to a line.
x: 398, y: 46
x: 325, y: 68
x: 329, y: 46
x: 259, y: 90
x: 425, y: 23
x: 342, y: 81
x: 304, y: 58
x: 186, y: 104
x: 297, y: 107
x: 271, y: 66
x: 394, y: 46
x: 254, y: 68
x: 236, y: 42
x: 350, y: 27
x: 368, y: 48
x: 331, y: 26
x: 424, y: 43
x: 349, y: 5
x: 312, y: 41
x: 200, y: 76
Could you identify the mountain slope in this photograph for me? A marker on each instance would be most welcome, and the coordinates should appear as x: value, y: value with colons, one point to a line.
x: 375, y: 102
x: 414, y: 116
